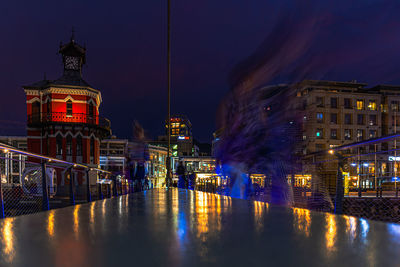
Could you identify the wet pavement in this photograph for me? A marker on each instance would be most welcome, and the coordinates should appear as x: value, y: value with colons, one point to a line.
x: 175, y: 227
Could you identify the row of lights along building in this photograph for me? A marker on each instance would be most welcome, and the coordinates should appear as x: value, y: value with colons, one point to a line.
x: 335, y: 114
x: 340, y: 113
x: 64, y: 122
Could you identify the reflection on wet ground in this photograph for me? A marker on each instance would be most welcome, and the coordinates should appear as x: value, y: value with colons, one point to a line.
x: 171, y: 227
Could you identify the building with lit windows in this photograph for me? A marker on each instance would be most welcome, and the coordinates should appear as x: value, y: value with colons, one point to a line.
x: 328, y: 114
x: 63, y: 114
x: 340, y: 113
x: 181, y: 136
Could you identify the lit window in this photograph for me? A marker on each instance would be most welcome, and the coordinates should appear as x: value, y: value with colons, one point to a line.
x: 347, y: 134
x: 372, y: 105
x: 372, y: 120
x: 360, y: 104
x: 320, y: 133
x: 372, y: 133
x: 395, y: 105
x: 320, y: 117
x: 333, y: 133
x: 69, y: 145
x: 360, y: 134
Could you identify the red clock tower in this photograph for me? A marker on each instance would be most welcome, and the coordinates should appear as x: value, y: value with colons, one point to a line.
x: 63, y: 114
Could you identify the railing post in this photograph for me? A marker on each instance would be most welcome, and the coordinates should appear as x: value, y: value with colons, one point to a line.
x: 1, y: 199
x: 100, y: 192
x: 45, y: 193
x: 71, y: 188
x: 88, y: 194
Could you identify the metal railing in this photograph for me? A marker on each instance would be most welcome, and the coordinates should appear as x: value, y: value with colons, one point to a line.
x: 30, y: 183
x: 64, y: 117
x: 359, y: 179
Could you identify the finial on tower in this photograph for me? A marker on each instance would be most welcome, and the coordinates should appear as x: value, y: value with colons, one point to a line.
x: 73, y: 35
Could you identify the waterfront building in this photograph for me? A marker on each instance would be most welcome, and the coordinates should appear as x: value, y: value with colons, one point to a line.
x: 181, y: 136
x: 63, y: 115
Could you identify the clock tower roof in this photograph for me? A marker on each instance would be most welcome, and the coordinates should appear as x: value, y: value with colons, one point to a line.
x: 73, y: 56
x: 73, y: 49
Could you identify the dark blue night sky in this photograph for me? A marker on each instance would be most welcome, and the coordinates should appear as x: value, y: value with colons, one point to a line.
x: 215, y: 45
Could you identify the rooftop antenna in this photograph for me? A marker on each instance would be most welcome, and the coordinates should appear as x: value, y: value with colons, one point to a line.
x: 73, y: 35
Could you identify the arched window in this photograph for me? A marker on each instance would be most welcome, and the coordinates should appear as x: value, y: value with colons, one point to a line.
x: 91, y: 110
x: 92, y: 147
x: 69, y: 108
x: 59, y: 144
x: 36, y: 111
x: 69, y: 145
x: 79, y: 145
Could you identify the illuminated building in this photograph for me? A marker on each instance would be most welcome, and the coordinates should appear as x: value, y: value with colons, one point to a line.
x: 340, y: 113
x: 113, y: 154
x: 181, y: 136
x: 63, y: 114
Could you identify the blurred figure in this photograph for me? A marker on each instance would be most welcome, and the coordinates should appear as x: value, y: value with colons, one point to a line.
x: 181, y: 171
x: 139, y: 154
x: 192, y: 180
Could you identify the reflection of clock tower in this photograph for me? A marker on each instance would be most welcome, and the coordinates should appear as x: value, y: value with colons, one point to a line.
x: 63, y: 114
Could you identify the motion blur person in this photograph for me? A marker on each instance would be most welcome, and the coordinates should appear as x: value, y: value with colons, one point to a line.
x: 139, y: 154
x: 180, y: 171
x: 192, y: 180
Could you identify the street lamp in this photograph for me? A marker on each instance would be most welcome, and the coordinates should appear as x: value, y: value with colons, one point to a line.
x: 168, y: 161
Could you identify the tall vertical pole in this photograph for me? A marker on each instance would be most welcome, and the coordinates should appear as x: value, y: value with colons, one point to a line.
x: 169, y: 92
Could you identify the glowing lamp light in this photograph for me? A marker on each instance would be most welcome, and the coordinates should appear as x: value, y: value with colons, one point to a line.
x: 331, y: 151
x: 394, y: 179
x: 353, y: 164
x: 5, y: 150
x: 365, y: 164
x: 75, y: 165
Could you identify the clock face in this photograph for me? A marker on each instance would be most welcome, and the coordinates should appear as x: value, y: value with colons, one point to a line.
x: 71, y: 63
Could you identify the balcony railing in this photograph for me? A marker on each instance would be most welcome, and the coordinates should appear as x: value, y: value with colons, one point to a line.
x: 63, y: 117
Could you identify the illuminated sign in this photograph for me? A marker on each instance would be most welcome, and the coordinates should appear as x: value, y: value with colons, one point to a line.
x: 392, y: 158
x: 183, y: 137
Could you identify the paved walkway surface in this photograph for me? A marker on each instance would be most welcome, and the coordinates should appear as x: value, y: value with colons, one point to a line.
x: 175, y: 227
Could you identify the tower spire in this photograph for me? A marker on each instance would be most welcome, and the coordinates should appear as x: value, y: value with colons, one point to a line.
x: 73, y: 35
